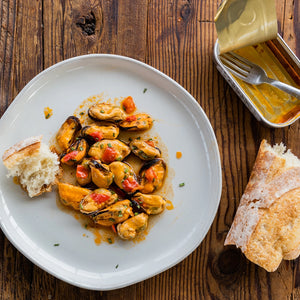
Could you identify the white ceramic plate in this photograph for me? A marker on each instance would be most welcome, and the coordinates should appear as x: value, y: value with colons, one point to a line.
x: 35, y: 225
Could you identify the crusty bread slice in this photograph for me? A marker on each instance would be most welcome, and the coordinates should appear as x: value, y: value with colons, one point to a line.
x: 267, y: 223
x: 36, y: 167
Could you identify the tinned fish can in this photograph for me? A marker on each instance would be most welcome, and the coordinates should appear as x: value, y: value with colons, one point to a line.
x: 268, y: 104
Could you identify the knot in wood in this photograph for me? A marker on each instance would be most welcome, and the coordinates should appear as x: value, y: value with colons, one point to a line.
x: 87, y: 23
x: 186, y: 12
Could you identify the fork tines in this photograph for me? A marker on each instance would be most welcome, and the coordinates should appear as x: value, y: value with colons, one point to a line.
x: 236, y: 64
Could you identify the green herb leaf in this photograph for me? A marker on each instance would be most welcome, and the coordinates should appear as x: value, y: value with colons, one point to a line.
x: 109, y: 240
x: 56, y: 245
x: 117, y: 266
x: 181, y: 184
x: 145, y: 90
x: 102, y: 111
x: 109, y: 145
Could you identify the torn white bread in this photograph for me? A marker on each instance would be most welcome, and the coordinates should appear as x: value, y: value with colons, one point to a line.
x: 267, y: 223
x: 35, y: 166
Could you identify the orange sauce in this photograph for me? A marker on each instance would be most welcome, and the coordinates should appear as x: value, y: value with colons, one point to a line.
x: 275, y: 105
x: 169, y: 205
x: 178, y: 154
x: 48, y: 112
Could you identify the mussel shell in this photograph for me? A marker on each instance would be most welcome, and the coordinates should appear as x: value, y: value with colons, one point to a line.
x: 149, y: 187
x: 129, y: 229
x: 79, y: 145
x: 85, y: 181
x: 101, y: 174
x: 97, y: 150
x: 89, y: 206
x: 67, y: 132
x: 141, y: 122
x: 113, y: 214
x: 106, y: 112
x: 108, y: 132
x: 143, y: 150
x: 123, y: 171
x: 151, y: 204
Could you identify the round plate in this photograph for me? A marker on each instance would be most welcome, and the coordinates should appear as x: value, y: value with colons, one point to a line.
x: 35, y: 225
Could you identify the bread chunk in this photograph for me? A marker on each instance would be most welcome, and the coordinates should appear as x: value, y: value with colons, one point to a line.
x: 36, y: 167
x: 267, y: 223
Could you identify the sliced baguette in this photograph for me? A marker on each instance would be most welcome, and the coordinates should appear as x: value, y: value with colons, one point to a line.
x: 267, y: 223
x: 35, y: 166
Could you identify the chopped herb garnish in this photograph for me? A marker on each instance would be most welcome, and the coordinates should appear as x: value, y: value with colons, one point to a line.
x: 134, y: 147
x: 114, y: 134
x: 136, y: 213
x: 101, y: 146
x: 138, y: 138
x: 120, y: 214
x: 112, y: 192
x: 117, y: 266
x: 126, y: 170
x: 145, y: 90
x: 102, y: 111
x: 86, y: 225
x: 109, y: 145
x: 181, y: 184
x: 138, y: 118
x: 81, y: 113
x: 80, y: 148
x: 47, y: 116
x: 119, y: 158
x: 111, y: 220
x: 109, y: 240
x: 56, y: 245
x: 72, y: 148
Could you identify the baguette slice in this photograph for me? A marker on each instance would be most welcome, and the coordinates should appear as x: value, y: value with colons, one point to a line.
x: 35, y: 166
x: 267, y: 223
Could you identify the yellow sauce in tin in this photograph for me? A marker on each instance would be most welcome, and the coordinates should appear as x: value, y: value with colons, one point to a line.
x: 275, y: 105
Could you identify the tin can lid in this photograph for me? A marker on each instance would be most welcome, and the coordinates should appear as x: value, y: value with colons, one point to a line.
x: 242, y: 23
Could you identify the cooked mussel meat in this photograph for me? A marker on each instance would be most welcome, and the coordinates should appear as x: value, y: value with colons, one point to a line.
x: 114, y: 214
x: 109, y: 150
x: 97, y: 200
x: 106, y: 112
x: 71, y: 195
x: 133, y: 226
x: 152, y: 175
x: 152, y: 204
x: 144, y: 149
x: 67, y: 132
x: 101, y: 174
x: 76, y: 152
x: 95, y: 133
x: 137, y: 122
x: 83, y: 172
x: 124, y: 176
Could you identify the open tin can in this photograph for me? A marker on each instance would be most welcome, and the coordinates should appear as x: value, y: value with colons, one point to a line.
x: 269, y: 105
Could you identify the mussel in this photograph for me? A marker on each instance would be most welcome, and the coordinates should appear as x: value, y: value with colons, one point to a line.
x: 106, y: 112
x: 144, y: 149
x: 137, y: 122
x: 67, y: 132
x: 76, y: 152
x: 71, y: 195
x: 95, y: 133
x: 101, y: 174
x: 152, y: 175
x: 109, y: 150
x: 114, y: 214
x: 124, y: 177
x: 152, y: 204
x: 97, y: 200
x: 83, y: 172
x: 129, y: 229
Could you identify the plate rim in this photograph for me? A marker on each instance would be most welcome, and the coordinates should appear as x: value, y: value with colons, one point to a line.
x: 209, y: 128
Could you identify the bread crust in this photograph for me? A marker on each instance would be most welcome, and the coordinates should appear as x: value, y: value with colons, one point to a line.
x: 21, y: 150
x: 273, y: 183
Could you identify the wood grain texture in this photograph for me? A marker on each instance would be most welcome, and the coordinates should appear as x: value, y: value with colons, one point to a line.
x: 176, y: 37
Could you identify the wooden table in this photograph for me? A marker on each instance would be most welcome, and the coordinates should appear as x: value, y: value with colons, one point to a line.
x: 176, y: 37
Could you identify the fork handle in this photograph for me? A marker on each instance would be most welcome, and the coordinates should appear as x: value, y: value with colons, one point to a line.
x: 285, y: 87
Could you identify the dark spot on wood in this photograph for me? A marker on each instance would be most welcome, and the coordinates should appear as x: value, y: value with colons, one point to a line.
x: 87, y: 23
x: 186, y: 12
x: 228, y: 266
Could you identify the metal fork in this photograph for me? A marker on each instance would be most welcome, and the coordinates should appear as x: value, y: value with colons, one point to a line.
x: 253, y: 74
